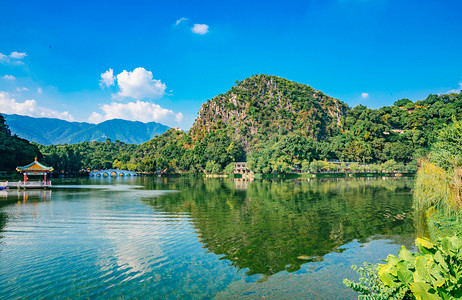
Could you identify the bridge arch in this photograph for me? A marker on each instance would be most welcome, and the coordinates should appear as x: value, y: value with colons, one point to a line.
x: 112, y: 173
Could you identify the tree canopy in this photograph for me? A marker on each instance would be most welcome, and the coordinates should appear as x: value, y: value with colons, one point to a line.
x: 274, y: 123
x: 14, y: 151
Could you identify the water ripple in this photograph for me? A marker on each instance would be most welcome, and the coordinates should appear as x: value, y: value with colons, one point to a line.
x: 116, y: 241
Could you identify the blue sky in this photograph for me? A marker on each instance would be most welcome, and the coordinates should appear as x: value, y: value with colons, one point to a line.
x: 162, y: 59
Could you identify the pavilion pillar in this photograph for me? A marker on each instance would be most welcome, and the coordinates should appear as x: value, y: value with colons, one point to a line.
x: 25, y: 177
x: 45, y: 177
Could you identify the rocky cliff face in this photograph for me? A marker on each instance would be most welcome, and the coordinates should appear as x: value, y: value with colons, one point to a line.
x: 261, y: 106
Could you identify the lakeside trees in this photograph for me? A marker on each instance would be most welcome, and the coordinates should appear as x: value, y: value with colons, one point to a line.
x: 173, y: 151
x: 14, y: 151
x: 274, y: 124
x: 434, y: 271
x: 88, y: 155
x: 395, y: 135
x: 439, y: 180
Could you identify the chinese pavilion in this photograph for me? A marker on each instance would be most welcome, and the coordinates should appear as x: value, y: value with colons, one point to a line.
x: 35, y: 168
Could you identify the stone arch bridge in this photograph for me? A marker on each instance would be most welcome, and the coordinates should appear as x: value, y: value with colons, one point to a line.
x: 112, y: 173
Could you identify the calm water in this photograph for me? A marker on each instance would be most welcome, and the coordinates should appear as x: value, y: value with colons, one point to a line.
x: 190, y: 238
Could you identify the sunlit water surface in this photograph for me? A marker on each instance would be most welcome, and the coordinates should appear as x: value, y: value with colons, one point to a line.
x: 195, y: 238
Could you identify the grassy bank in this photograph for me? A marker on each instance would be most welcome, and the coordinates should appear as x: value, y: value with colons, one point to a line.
x: 440, y: 224
x: 437, y: 198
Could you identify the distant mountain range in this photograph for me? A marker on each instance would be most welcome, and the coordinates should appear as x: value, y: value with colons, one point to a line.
x: 47, y: 131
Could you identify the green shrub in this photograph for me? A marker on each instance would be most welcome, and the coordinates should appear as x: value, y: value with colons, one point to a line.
x: 433, y: 188
x: 439, y: 179
x: 212, y: 167
x: 435, y: 272
x: 447, y: 151
x: 229, y: 169
x: 441, y: 224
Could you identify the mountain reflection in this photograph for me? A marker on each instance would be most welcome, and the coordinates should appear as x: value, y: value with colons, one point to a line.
x: 271, y: 226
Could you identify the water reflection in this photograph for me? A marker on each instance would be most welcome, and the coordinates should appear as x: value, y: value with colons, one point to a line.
x: 24, y: 196
x: 271, y: 226
x: 18, y: 196
x: 187, y: 238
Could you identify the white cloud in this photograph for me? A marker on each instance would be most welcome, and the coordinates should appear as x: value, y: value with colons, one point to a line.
x: 137, y: 111
x: 30, y: 108
x: 18, y: 55
x: 139, y: 84
x: 14, y: 58
x: 9, y: 77
x: 364, y: 95
x: 200, y: 28
x: 455, y: 90
x: 23, y: 89
x: 107, y: 78
x: 180, y: 20
x: 39, y: 90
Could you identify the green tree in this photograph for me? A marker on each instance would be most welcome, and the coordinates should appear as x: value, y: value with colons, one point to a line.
x: 316, y: 166
x: 389, y: 166
x: 355, y: 167
x: 282, y: 165
x: 305, y: 166
x: 14, y: 151
x: 229, y: 169
x: 212, y: 167
x: 402, y: 102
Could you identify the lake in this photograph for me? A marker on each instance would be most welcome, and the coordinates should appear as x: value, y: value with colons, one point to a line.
x: 146, y: 237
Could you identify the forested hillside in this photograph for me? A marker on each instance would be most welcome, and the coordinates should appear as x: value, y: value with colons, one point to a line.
x: 274, y: 123
x: 400, y: 131
x: 273, y: 132
x: 14, y: 151
x: 263, y: 106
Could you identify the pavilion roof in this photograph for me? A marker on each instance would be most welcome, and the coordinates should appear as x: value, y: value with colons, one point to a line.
x: 34, y: 166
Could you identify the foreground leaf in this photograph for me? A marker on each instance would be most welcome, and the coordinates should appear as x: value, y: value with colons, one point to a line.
x: 421, y: 291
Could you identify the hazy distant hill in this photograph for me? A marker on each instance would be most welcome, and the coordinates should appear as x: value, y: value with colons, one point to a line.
x: 48, y: 131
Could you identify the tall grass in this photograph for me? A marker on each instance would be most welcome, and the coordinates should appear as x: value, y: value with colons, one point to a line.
x: 437, y: 188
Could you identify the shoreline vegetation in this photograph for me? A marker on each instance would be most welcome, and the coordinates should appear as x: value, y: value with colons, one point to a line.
x: 439, y: 184
x: 326, y: 175
x: 435, y: 272
x: 267, y: 121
